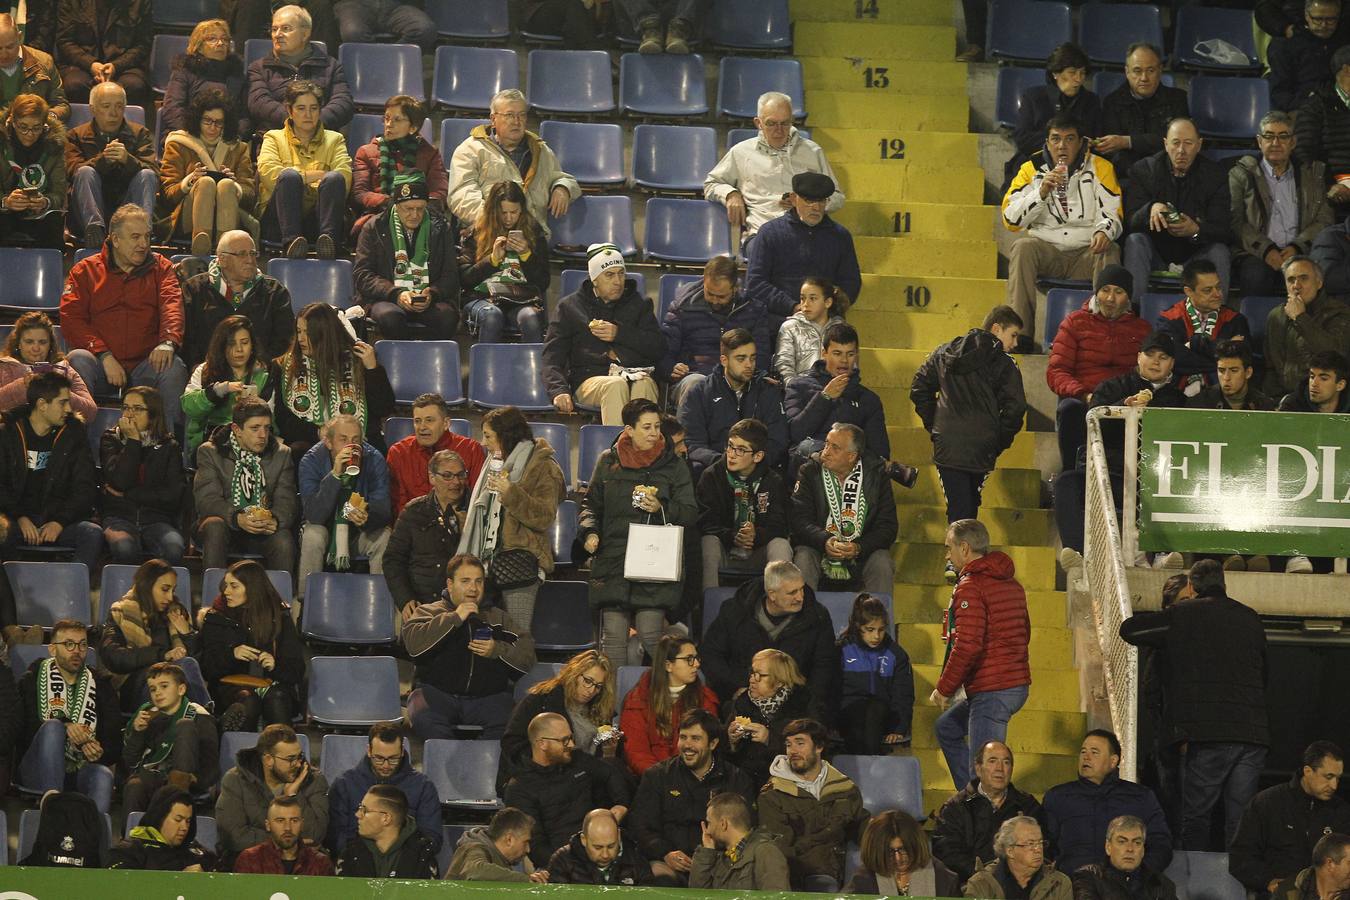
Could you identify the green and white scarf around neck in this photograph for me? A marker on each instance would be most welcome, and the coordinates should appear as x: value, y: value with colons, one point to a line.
x: 411, y: 272
x: 248, y: 486
x: 154, y: 757
x: 222, y: 287
x: 304, y: 396
x: 75, y: 703
x: 848, y: 513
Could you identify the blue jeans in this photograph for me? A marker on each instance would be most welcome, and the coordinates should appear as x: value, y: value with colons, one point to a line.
x: 1210, y: 769
x: 1141, y: 257
x: 85, y: 538
x: 984, y: 717
x: 285, y: 214
x: 361, y: 21
x: 435, y: 714
x: 127, y: 540
x: 44, y: 767
x: 90, y: 202
x: 170, y: 383
x: 489, y: 321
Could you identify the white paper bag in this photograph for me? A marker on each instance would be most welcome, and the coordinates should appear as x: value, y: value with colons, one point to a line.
x: 654, y: 553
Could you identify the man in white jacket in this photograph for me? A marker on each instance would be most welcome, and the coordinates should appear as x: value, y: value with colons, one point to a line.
x: 753, y: 180
x: 1066, y: 203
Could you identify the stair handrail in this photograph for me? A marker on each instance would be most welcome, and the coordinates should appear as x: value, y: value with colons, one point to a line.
x: 1104, y: 556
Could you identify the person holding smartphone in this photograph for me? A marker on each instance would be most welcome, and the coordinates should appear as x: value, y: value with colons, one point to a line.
x: 32, y: 175
x: 32, y: 350
x: 234, y: 369
x: 504, y: 263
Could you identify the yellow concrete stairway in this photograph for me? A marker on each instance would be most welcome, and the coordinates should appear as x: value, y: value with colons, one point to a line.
x: 924, y: 242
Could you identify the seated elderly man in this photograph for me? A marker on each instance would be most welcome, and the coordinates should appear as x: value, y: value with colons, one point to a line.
x: 1329, y: 874
x: 1300, y: 61
x: 110, y: 161
x: 1135, y: 115
x: 804, y: 241
x: 754, y: 179
x: 294, y: 59
x: 1321, y: 129
x: 27, y: 70
x: 1021, y: 869
x: 1123, y: 872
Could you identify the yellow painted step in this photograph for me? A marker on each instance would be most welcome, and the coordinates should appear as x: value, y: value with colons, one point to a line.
x: 1052, y: 690
x: 925, y: 604
x: 906, y: 219
x: 1031, y: 730
x: 1004, y: 488
x: 920, y: 563
x: 1007, y: 527
x: 884, y: 12
x: 901, y: 181
x: 934, y: 43
x: 1036, y: 772
x: 888, y: 367
x: 884, y: 74
x: 900, y: 328
x: 1051, y: 650
x: 954, y: 259
x: 909, y: 442
x: 963, y: 298
x: 849, y: 109
x: 929, y: 148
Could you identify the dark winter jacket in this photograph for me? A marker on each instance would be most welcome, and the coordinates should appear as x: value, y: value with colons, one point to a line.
x: 711, y: 407
x: 694, y: 330
x: 1197, y: 354
x: 816, y: 831
x: 737, y: 635
x: 752, y: 757
x: 9, y: 699
x: 438, y: 641
x: 121, y: 651
x: 1251, y: 205
x: 1300, y: 400
x: 786, y: 250
x: 269, y: 76
x: 417, y: 552
x: 881, y: 673
x: 1202, y: 193
x: 223, y: 629
x: 267, y: 306
x: 91, y: 31
x: 1103, y: 881
x: 988, y: 650
x: 373, y: 267
x: 811, y: 510
x: 69, y: 492
x: 411, y: 856
x: 1289, y: 344
x: 569, y: 864
x: 194, y: 73
x: 1077, y: 813
x: 1142, y: 120
x: 148, y: 478
x: 347, y: 790
x: 572, y: 354
x: 85, y: 145
x: 241, y: 809
x: 717, y: 504
x: 671, y: 802
x: 107, y: 730
x: 215, y: 469
x: 811, y: 414
x: 558, y: 797
x: 515, y: 740
x: 39, y: 74
x: 967, y: 823
x: 1212, y: 398
x: 1042, y: 103
x: 1114, y: 392
x: 1331, y: 251
x: 1276, y: 17
x: 1216, y: 681
x: 1323, y: 132
x: 969, y: 395
x: 51, y: 157
x: 1300, y: 65
x: 1278, y: 830
x: 1090, y: 348
x: 143, y: 848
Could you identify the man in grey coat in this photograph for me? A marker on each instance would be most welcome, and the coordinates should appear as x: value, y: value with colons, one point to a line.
x: 275, y: 767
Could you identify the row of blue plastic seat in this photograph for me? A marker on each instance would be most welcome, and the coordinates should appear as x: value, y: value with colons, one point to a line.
x: 1062, y: 301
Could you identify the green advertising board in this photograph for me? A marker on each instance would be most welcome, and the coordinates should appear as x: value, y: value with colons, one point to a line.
x: 1244, y: 482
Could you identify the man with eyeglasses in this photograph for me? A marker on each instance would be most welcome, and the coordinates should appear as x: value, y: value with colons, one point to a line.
x: 505, y: 150
x: 250, y: 19
x: 1283, y: 206
x: 293, y: 58
x: 386, y: 762
x: 70, y: 721
x: 754, y: 178
x: 388, y: 842
x: 24, y: 69
x: 1135, y: 115
x: 559, y: 786
x: 275, y: 767
x: 427, y: 534
x: 1021, y: 869
x: 1300, y: 62
x: 233, y: 285
x: 410, y: 457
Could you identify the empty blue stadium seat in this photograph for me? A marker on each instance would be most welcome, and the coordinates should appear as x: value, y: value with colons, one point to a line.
x: 256, y: 48
x: 1257, y: 310
x: 22, y: 657
x: 558, y: 438
x: 1204, y: 876
x: 347, y: 608
x: 1059, y: 303
x: 540, y: 671
x: 376, y: 72
x: 184, y: 13
x: 570, y: 81
x: 464, y: 772
x: 1012, y: 84
x: 886, y: 782
x: 231, y: 742
x: 673, y: 157
x: 455, y: 132
x: 594, y: 220
x: 117, y: 580
x: 104, y: 418
x: 28, y: 827
x: 572, y: 279
x: 594, y: 440
x: 626, y: 679
x: 1026, y: 30
x: 670, y: 286
x: 341, y: 752
x: 508, y: 375
x: 364, y: 127
x: 467, y: 77
x: 1195, y: 24
x: 420, y: 367
x: 591, y: 152
x: 81, y: 113
x: 763, y: 25
x: 562, y: 617
x: 163, y: 49
x: 33, y: 278
x: 686, y: 231
x: 713, y: 598
x: 1106, y: 30
x: 355, y: 691
x: 396, y: 428
x: 736, y: 135
x: 1228, y: 108
x: 663, y: 84
x: 45, y: 592
x: 1151, y: 306
x: 314, y: 281
x: 474, y: 20
x: 563, y: 532
x: 741, y: 80
x: 211, y: 584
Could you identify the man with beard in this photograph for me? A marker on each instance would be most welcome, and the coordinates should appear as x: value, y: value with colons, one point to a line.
x: 284, y: 852
x: 275, y: 767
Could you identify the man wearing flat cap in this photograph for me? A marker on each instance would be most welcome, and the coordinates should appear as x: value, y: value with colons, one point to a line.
x: 804, y: 241
x: 406, y: 270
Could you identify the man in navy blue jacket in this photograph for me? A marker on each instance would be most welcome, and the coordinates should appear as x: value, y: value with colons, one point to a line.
x: 385, y: 762
x: 804, y: 241
x: 733, y: 391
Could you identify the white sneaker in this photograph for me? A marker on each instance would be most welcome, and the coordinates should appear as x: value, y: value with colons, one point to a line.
x: 1070, y: 559
x: 1299, y: 565
x: 1171, y: 560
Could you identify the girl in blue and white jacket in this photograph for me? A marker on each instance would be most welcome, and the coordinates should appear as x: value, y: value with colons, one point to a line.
x: 877, y: 683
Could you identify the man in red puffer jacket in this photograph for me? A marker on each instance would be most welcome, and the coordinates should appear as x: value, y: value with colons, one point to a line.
x: 988, y: 631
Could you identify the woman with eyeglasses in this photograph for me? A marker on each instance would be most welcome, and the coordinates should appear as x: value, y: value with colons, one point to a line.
x: 583, y: 691
x: 757, y: 714
x: 897, y: 861
x: 32, y: 348
x: 399, y: 149
x: 32, y: 175
x: 234, y: 368
x: 652, y: 710
x: 251, y: 654
x: 143, y: 482
x: 210, y: 63
x: 207, y: 181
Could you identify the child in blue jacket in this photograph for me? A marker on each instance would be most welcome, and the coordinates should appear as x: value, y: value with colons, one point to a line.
x: 877, y: 696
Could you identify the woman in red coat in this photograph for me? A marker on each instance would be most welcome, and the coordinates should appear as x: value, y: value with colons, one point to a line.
x: 653, y: 708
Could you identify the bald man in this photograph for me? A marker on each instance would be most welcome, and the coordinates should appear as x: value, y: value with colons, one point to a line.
x: 238, y: 288
x: 25, y: 69
x: 597, y: 855
x: 110, y: 161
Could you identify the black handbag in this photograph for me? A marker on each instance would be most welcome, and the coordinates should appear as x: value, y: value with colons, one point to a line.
x: 511, y: 569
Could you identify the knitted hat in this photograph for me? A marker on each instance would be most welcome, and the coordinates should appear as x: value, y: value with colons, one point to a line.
x: 1116, y: 275
x: 600, y: 257
x: 412, y: 186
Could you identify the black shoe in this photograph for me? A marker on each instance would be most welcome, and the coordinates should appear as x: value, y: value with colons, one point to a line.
x: 901, y: 474
x: 234, y: 718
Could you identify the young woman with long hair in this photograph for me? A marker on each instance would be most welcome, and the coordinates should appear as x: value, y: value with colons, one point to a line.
x: 653, y: 708
x: 504, y: 268
x: 146, y: 625
x: 143, y: 481
x: 31, y: 347
x: 233, y: 369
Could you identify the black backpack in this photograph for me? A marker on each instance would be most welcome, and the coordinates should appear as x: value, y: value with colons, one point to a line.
x: 71, y: 832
